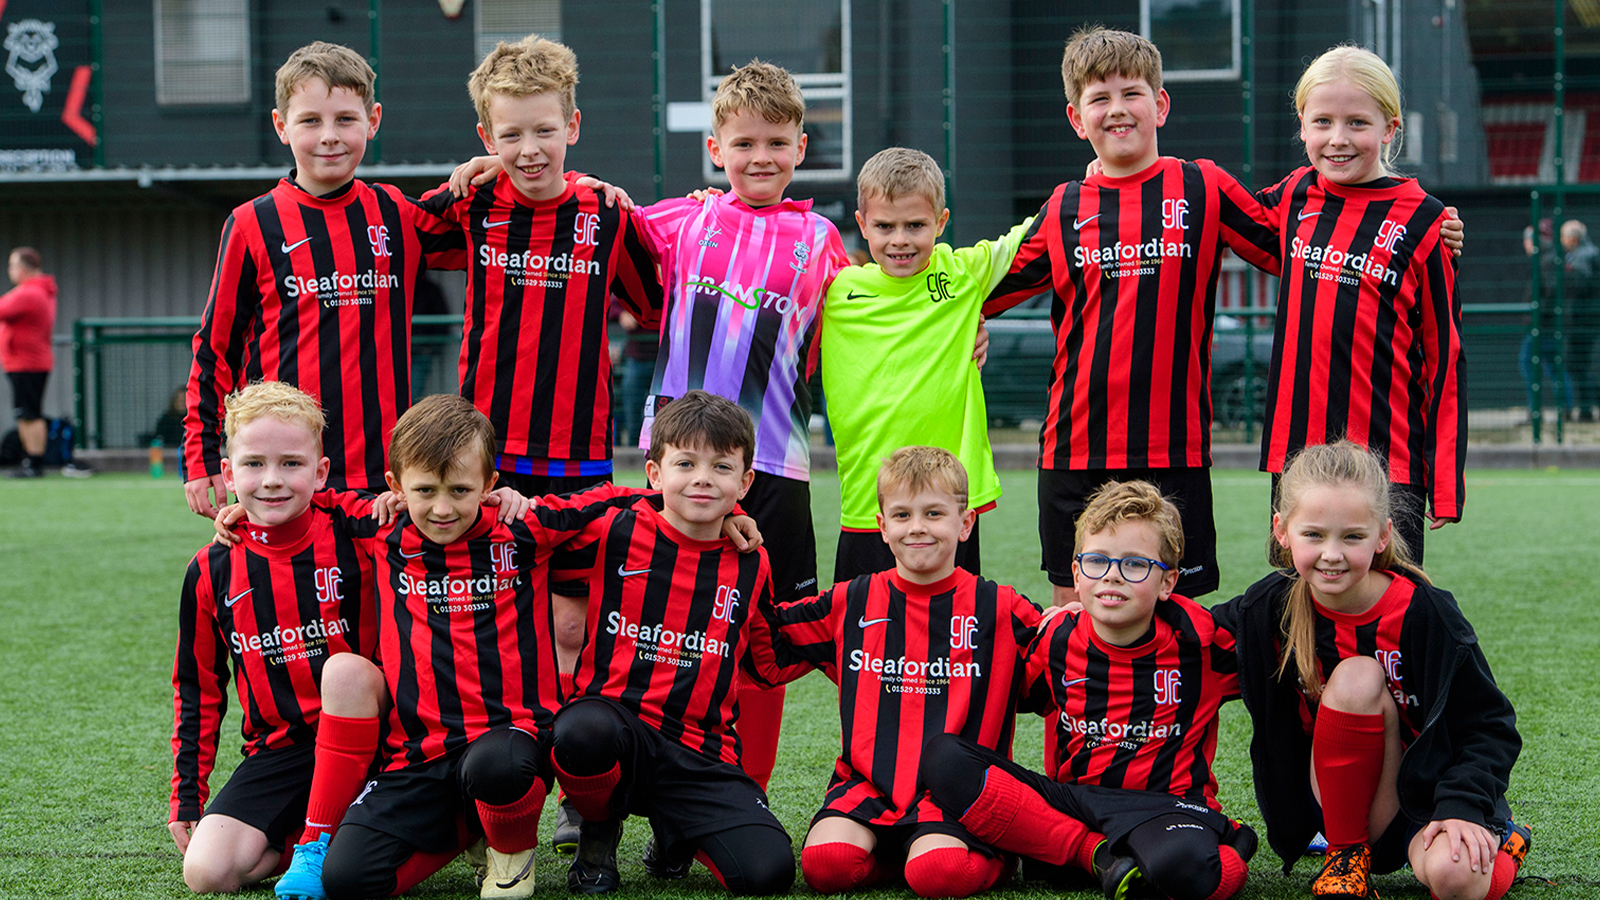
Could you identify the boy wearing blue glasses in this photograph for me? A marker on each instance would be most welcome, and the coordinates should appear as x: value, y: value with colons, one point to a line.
x: 1134, y: 682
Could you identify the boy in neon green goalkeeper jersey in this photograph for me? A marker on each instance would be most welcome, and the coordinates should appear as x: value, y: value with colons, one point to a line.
x: 897, y: 350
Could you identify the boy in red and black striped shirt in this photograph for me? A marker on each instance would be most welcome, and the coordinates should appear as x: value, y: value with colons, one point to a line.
x: 546, y: 256
x: 1135, y: 681
x: 651, y: 730
x: 463, y: 635
x: 1133, y: 254
x: 314, y: 282
x: 276, y: 605
x: 921, y: 650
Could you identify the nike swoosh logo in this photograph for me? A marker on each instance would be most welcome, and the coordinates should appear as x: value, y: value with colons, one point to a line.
x: 864, y: 621
x: 288, y: 246
x: 489, y: 224
x: 855, y: 296
x: 1077, y: 225
x: 412, y: 555
x: 239, y: 596
x: 1066, y: 683
x: 1306, y: 215
x: 625, y: 572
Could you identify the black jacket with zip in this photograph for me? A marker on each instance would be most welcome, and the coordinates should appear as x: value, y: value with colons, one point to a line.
x: 1458, y: 766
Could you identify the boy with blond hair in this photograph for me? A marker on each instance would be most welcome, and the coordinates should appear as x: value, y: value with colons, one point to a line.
x: 907, y: 319
x: 920, y: 650
x: 1134, y: 683
x: 546, y: 255
x: 314, y: 282
x: 275, y: 605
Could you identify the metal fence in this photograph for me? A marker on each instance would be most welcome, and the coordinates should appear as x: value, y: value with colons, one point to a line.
x: 130, y: 373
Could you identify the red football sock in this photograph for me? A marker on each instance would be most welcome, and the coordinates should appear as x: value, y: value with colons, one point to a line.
x: 760, y: 720
x: 839, y: 866
x: 952, y: 872
x: 1234, y: 873
x: 1011, y: 816
x: 514, y: 827
x: 1505, y: 872
x: 590, y: 794
x: 1347, y: 755
x: 345, y: 748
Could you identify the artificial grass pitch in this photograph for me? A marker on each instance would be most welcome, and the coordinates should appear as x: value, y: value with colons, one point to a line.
x: 92, y: 571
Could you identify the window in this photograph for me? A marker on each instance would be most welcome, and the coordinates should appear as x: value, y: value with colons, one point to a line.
x: 812, y: 41
x: 1199, y: 39
x: 513, y: 20
x: 202, y: 52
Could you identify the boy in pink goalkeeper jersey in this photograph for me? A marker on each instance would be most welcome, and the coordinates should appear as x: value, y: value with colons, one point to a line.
x: 745, y: 274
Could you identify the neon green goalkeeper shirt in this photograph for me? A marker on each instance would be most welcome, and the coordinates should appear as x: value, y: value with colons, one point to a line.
x: 897, y: 369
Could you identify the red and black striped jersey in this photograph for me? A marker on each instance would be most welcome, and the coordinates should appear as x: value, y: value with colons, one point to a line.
x: 275, y: 606
x: 534, y: 356
x: 1141, y: 717
x: 668, y: 625
x: 911, y: 661
x: 317, y: 292
x: 1368, y: 336
x: 1134, y: 262
x: 1381, y: 633
x: 464, y: 629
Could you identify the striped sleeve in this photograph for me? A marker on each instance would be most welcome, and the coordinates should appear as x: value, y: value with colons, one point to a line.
x: 1036, y: 690
x: 635, y: 279
x: 1032, y: 265
x: 199, y: 686
x: 1444, y: 359
x: 444, y: 242
x: 219, y: 349
x: 790, y: 639
x: 1247, y: 227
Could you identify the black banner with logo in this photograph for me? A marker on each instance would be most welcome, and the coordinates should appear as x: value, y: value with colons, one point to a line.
x: 44, y: 94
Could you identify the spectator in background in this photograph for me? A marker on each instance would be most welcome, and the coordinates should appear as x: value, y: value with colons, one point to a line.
x: 1543, y: 323
x: 27, y: 318
x: 1583, y: 315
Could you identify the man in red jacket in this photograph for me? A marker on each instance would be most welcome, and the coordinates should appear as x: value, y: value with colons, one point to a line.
x: 27, y: 316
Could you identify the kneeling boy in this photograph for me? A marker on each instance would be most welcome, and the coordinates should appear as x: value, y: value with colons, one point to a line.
x: 1137, y: 678
x: 926, y: 645
x: 651, y: 729
x: 279, y: 604
x: 464, y: 638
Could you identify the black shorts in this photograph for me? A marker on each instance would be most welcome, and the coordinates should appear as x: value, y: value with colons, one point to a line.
x: 269, y: 791
x: 1063, y: 494
x: 895, y: 840
x: 27, y: 395
x: 864, y: 552
x: 423, y: 805
x: 538, y: 486
x: 782, y: 510
x: 685, y: 795
x: 1117, y: 811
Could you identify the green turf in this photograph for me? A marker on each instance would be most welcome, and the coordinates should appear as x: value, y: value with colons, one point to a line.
x: 91, y: 575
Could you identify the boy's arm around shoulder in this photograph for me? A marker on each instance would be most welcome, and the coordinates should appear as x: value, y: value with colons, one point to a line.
x: 1031, y: 271
x: 1249, y: 227
x: 199, y: 689
x: 437, y: 224
x: 635, y: 278
x: 791, y: 639
x: 989, y: 261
